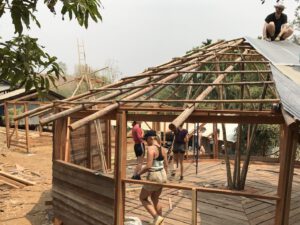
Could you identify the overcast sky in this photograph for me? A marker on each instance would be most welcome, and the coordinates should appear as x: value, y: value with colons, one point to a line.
x: 137, y: 34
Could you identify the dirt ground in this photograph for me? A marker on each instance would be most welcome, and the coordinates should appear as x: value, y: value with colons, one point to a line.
x: 30, y: 205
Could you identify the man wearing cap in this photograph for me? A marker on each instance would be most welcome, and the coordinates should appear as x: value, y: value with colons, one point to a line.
x: 276, y: 27
x: 139, y: 147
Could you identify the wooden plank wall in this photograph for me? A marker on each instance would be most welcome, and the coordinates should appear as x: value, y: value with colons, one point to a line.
x: 84, y: 148
x: 80, y: 197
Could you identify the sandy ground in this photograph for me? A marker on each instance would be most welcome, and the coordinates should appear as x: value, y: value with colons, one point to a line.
x: 31, y: 204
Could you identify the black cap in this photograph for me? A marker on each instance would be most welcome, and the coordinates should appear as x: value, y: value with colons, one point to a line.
x: 150, y: 133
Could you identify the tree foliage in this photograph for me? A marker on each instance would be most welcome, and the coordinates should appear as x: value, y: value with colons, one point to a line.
x: 23, y: 62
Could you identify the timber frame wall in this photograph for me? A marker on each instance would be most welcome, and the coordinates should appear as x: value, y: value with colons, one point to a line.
x: 205, y: 74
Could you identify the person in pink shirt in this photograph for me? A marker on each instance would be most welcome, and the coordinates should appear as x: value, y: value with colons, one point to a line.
x: 139, y: 147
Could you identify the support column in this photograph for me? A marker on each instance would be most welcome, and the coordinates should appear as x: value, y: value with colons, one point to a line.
x: 26, y: 127
x: 288, y: 146
x: 216, y: 142
x: 120, y: 168
x: 7, y: 125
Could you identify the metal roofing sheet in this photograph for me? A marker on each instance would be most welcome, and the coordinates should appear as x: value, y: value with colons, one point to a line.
x: 288, y: 91
x: 284, y: 57
x: 277, y: 52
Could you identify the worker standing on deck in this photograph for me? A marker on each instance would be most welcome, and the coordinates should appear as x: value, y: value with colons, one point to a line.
x: 156, y: 167
x: 179, y: 148
x: 276, y: 27
x: 139, y: 147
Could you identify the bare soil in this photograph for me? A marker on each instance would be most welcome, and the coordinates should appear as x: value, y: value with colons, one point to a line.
x: 30, y: 205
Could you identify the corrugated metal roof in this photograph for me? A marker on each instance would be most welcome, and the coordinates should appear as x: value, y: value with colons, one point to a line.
x: 284, y: 57
x: 277, y: 52
x: 289, y: 92
x: 12, y: 94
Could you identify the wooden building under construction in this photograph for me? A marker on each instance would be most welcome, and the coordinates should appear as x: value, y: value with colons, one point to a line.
x: 90, y: 160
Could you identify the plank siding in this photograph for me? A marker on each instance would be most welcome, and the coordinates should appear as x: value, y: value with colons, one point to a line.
x: 80, y: 197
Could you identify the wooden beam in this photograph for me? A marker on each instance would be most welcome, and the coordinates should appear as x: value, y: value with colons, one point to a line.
x: 206, y: 190
x: 243, y: 119
x: 120, y: 168
x: 177, y: 101
x: 199, y: 111
x: 288, y: 147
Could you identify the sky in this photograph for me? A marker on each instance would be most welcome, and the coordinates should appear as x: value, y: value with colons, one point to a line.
x: 137, y: 34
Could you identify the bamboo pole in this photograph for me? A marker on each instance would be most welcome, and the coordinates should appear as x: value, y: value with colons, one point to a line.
x: 188, y: 111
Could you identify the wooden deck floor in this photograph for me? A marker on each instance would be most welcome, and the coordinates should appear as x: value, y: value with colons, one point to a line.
x: 214, y: 209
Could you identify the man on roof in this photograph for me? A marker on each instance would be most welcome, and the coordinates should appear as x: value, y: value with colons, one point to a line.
x: 276, y: 27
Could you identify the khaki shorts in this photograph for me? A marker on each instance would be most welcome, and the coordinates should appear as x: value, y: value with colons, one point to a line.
x: 158, y: 177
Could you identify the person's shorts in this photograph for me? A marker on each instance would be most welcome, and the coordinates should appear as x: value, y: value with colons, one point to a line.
x: 158, y: 177
x: 139, y: 149
x: 179, y: 148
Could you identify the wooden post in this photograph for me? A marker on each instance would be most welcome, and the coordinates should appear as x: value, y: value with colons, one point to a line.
x: 216, y: 144
x: 16, y: 122
x: 7, y: 123
x: 165, y: 136
x: 67, y: 144
x: 194, y: 206
x: 89, y: 162
x: 26, y: 127
x: 120, y: 168
x: 108, y: 144
x: 288, y: 146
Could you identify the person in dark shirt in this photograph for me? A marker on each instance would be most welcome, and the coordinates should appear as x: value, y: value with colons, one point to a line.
x: 179, y: 147
x: 276, y: 27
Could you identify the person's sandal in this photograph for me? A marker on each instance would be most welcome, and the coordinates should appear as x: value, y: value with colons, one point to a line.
x: 158, y: 220
x: 181, y: 178
x: 173, y: 173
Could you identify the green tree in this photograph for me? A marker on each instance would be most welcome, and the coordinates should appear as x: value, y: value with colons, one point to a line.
x: 23, y: 62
